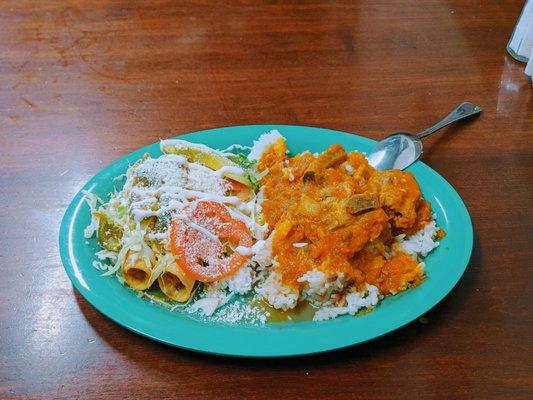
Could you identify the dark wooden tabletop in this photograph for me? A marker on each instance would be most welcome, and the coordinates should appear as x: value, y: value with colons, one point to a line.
x: 85, y: 82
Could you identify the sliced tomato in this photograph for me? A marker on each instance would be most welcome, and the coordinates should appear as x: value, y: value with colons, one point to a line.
x: 201, y: 256
x: 240, y: 190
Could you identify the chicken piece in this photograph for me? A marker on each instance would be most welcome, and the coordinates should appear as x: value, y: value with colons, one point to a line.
x: 365, y: 228
x: 399, y: 272
x: 300, y: 163
x: 369, y: 263
x: 275, y: 153
x: 330, y: 158
x: 309, y: 207
x: 335, y: 215
x: 362, y: 172
x: 423, y: 216
x: 361, y: 203
x: 399, y: 195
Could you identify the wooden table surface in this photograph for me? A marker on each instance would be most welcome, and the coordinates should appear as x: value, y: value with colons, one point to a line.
x: 85, y: 82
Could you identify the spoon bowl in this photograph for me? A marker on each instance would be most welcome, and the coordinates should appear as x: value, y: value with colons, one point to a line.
x: 396, y: 151
x: 401, y: 149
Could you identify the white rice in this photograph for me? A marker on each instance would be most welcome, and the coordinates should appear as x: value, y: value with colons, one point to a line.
x: 215, y: 302
x: 355, y: 302
x: 317, y: 288
x: 276, y: 294
x: 241, y: 282
x: 219, y: 293
x: 421, y: 243
x: 263, y: 143
x: 263, y: 257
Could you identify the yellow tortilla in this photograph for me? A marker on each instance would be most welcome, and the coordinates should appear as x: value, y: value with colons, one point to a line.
x: 175, y: 284
x: 135, y: 271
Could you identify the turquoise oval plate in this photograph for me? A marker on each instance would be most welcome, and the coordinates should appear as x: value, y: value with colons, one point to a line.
x: 444, y: 266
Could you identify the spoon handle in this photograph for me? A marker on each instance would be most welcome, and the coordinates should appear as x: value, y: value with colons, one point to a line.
x: 462, y: 111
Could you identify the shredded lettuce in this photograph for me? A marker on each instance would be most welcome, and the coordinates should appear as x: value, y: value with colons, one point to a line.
x: 253, y: 181
x: 242, y: 161
x: 248, y: 166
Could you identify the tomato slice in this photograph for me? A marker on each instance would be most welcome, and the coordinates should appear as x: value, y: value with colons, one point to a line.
x: 202, y: 257
x: 240, y: 190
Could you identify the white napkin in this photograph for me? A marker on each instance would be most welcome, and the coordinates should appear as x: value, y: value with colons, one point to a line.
x: 521, y: 42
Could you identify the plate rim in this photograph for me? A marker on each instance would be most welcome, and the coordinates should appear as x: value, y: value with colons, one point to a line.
x: 67, y: 258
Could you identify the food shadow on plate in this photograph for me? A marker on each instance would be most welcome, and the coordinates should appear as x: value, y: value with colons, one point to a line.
x: 120, y: 338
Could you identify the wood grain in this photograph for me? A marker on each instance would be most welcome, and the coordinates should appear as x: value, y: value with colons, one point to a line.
x: 84, y: 82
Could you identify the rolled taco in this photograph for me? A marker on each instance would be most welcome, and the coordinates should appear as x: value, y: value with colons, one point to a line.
x: 137, y: 271
x: 175, y: 284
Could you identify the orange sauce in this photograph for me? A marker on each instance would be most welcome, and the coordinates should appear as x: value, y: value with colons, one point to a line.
x: 302, y: 312
x: 342, y: 214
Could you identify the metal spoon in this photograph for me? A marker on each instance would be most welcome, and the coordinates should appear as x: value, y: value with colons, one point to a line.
x: 401, y: 149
